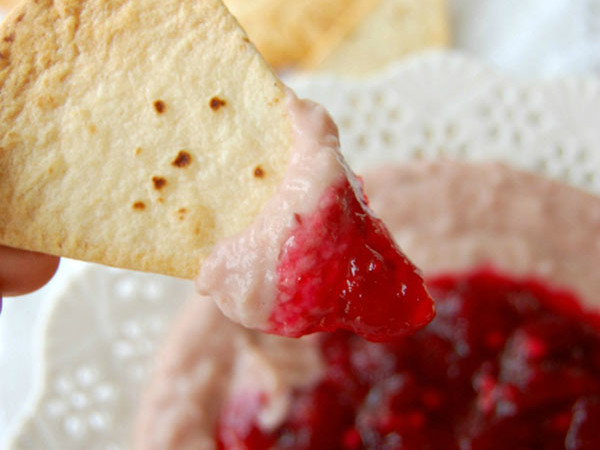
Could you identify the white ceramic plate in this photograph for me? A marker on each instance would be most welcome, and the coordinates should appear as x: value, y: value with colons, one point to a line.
x: 103, y: 325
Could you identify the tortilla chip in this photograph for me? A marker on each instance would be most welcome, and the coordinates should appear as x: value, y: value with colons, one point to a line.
x: 286, y: 31
x: 6, y: 5
x: 393, y: 29
x: 134, y: 133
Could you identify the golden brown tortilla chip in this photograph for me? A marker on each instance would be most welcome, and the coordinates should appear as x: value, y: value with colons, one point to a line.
x: 286, y: 31
x: 5, y: 5
x: 393, y: 29
x: 134, y: 133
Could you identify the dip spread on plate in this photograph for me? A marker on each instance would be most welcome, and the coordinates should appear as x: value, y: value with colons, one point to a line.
x: 514, y: 353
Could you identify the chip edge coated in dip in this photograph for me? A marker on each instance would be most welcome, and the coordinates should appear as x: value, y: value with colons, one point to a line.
x: 316, y: 258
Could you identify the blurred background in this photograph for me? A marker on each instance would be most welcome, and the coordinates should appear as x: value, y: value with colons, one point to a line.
x: 360, y: 37
x: 534, y: 39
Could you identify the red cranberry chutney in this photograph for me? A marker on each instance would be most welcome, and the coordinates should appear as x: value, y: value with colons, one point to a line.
x: 506, y: 363
x: 341, y: 269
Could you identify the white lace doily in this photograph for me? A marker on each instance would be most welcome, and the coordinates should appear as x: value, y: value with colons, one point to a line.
x: 102, y: 329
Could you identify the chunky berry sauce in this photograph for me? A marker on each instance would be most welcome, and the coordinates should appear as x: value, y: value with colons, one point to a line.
x: 505, y: 365
x: 341, y: 269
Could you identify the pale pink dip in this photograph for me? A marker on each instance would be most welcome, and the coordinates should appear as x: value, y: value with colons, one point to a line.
x: 449, y: 217
x: 208, y: 359
x: 245, y: 288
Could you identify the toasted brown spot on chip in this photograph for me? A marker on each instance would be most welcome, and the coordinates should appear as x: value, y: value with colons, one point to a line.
x: 159, y: 106
x: 138, y: 151
x: 9, y: 38
x: 159, y: 182
x: 139, y: 206
x: 181, y: 212
x: 259, y: 172
x: 183, y: 159
x: 92, y: 128
x: 21, y: 16
x: 245, y: 39
x: 274, y: 101
x: 216, y: 103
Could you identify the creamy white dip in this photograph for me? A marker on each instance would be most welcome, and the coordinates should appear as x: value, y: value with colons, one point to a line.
x: 240, y: 272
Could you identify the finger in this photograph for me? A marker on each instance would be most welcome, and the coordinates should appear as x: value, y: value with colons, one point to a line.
x: 22, y: 271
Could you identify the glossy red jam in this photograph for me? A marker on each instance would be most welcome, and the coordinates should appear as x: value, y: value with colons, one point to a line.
x: 504, y: 365
x: 340, y: 269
